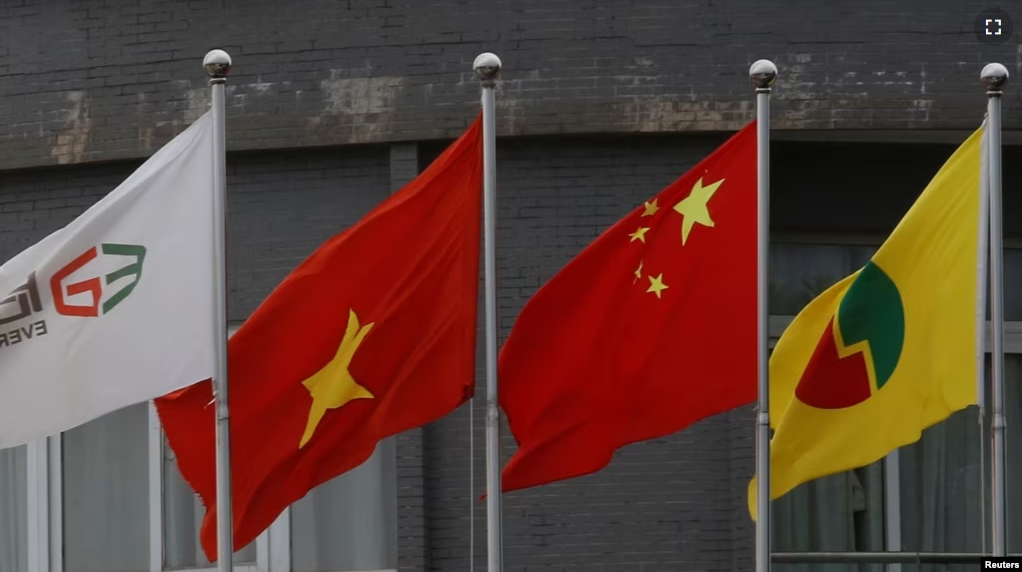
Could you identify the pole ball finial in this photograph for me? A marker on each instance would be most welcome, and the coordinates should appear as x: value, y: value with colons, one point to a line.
x: 763, y: 74
x: 994, y: 76
x: 217, y: 64
x: 487, y: 66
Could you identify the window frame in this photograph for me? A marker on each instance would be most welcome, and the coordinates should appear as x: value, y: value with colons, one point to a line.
x: 44, y: 497
x: 157, y: 558
x: 280, y: 538
x: 44, y: 492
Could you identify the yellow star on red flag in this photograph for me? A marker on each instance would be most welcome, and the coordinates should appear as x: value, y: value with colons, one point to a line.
x: 656, y: 285
x: 694, y: 207
x: 639, y: 234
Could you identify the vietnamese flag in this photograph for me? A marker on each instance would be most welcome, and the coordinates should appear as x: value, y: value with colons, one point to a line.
x: 372, y: 335
x: 650, y: 329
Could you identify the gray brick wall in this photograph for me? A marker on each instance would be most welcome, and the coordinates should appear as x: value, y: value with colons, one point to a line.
x: 107, y: 79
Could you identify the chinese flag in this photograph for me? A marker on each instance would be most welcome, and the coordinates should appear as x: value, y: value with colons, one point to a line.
x: 650, y: 329
x: 372, y: 335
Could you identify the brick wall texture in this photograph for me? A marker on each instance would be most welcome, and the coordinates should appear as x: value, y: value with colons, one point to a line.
x: 333, y: 105
x: 109, y: 79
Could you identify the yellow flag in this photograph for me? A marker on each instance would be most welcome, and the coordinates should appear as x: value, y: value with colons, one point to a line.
x: 889, y: 350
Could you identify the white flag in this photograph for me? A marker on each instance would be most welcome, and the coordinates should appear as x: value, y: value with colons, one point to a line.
x: 116, y: 308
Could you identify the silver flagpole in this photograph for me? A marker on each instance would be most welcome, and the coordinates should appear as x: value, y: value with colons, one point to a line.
x: 994, y: 76
x: 217, y: 65
x: 487, y: 68
x: 763, y: 74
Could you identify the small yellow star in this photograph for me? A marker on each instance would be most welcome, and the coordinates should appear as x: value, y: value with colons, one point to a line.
x: 639, y: 235
x: 657, y: 284
x: 651, y: 208
x: 693, y: 207
x: 638, y: 273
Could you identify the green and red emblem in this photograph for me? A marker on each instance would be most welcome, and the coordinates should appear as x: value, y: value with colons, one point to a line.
x: 870, y: 321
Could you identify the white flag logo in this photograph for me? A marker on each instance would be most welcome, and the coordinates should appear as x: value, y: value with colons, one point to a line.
x: 115, y: 308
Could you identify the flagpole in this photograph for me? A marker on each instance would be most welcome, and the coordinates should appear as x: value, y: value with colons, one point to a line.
x: 993, y: 77
x: 217, y: 65
x: 487, y: 69
x: 763, y: 74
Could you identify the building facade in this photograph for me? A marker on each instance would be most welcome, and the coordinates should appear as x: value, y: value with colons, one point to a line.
x: 333, y: 105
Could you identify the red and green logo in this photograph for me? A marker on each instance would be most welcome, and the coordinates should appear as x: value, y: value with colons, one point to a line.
x: 94, y: 286
x: 25, y: 301
x: 870, y: 321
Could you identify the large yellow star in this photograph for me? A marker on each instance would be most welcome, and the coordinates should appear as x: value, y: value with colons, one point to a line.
x: 639, y: 234
x: 693, y: 207
x: 333, y: 387
x: 656, y: 285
